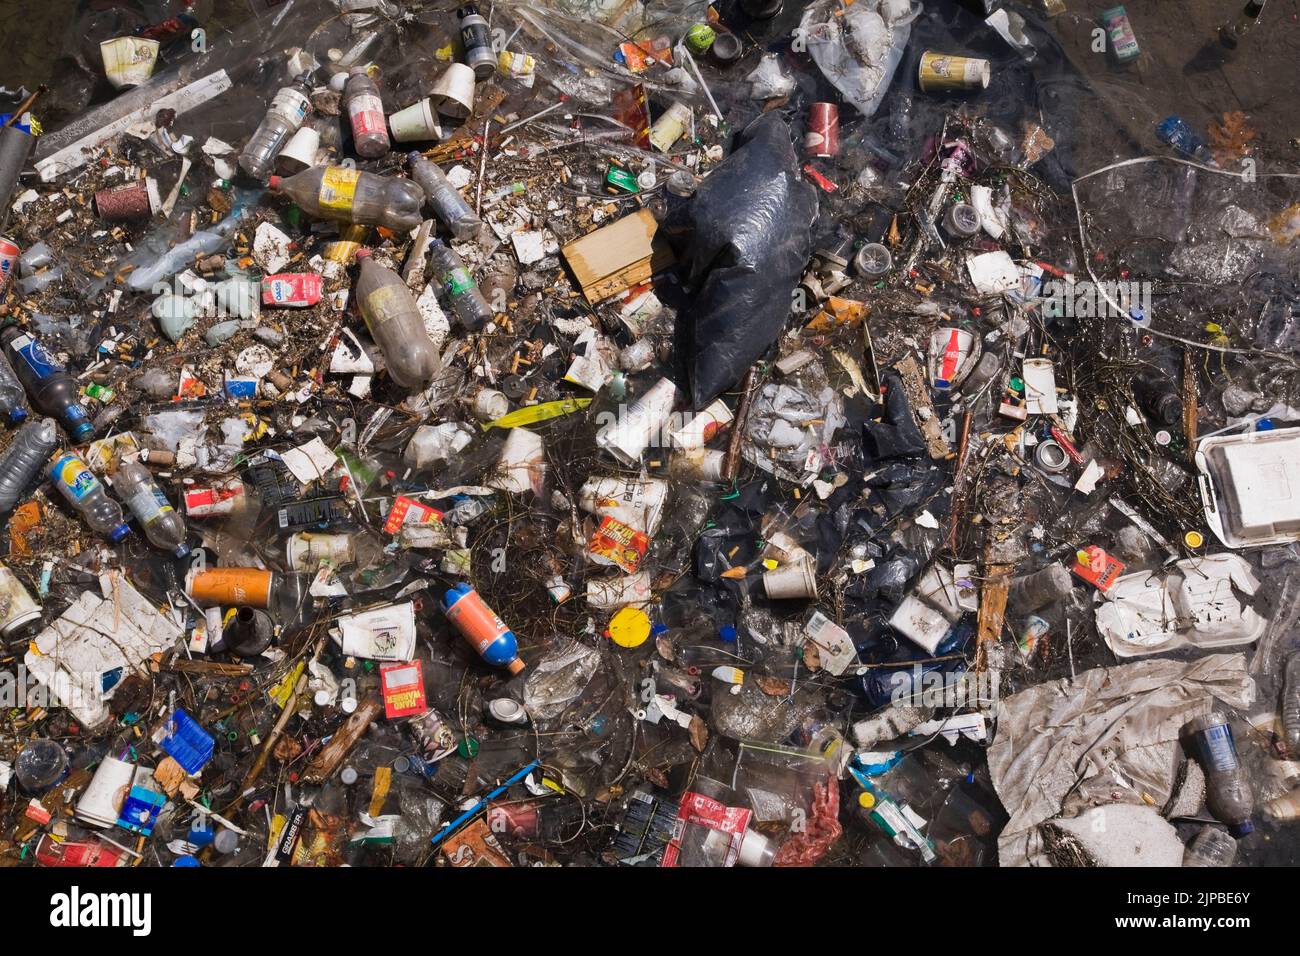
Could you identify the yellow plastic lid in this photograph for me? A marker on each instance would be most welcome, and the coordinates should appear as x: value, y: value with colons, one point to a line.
x: 866, y: 799
x: 629, y: 627
x: 1193, y: 539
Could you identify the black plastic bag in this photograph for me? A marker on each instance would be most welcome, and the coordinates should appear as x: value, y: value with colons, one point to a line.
x: 744, y: 239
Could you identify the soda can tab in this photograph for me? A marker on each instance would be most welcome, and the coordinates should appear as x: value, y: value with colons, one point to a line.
x: 822, y: 141
x: 292, y: 289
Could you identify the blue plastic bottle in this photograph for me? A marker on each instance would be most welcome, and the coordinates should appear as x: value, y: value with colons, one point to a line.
x: 53, y: 391
x: 479, y: 625
x: 1173, y: 131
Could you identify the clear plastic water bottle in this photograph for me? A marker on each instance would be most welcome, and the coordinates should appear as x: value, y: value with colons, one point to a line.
x: 163, y: 525
x: 1291, y: 706
x: 1210, y: 847
x: 366, y: 114
x: 78, y: 484
x: 284, y: 118
x: 443, y: 198
x: 395, y: 323
x: 13, y: 398
x: 1174, y: 132
x: 349, y: 195
x: 472, y: 310
x: 23, y: 459
x: 1227, y: 791
x: 54, y: 392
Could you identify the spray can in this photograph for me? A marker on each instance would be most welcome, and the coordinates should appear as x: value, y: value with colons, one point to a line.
x: 477, y: 40
x: 479, y: 625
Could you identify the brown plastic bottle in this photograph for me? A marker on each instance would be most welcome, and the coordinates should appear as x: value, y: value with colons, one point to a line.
x: 349, y: 195
x: 395, y: 324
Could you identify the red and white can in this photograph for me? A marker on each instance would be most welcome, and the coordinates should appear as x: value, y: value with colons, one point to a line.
x: 822, y: 140
x: 292, y: 289
x: 9, y: 252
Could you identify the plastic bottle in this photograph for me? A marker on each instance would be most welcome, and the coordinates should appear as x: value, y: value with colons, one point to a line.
x: 1210, y: 847
x: 349, y: 195
x: 1174, y: 132
x: 1284, y: 809
x: 1291, y: 706
x: 83, y: 491
x: 1032, y: 591
x: 30, y: 449
x: 13, y: 398
x: 472, y: 310
x: 182, y: 255
x: 366, y: 114
x: 283, y: 118
x: 1159, y: 397
x: 394, y: 321
x: 54, y: 392
x: 1227, y: 791
x: 479, y: 625
x: 40, y: 766
x: 443, y: 198
x: 162, y: 524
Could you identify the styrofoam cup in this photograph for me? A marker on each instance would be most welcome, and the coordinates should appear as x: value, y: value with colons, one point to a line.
x: 417, y: 123
x: 453, y: 94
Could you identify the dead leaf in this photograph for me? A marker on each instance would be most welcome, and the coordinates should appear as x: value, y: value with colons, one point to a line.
x: 772, y: 686
x: 699, y: 732
x: 1231, y: 137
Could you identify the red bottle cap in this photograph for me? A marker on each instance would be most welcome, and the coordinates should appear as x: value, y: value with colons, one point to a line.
x: 274, y: 182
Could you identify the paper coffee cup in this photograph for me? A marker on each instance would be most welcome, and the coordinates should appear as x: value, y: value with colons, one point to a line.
x: 16, y: 605
x: 100, y: 805
x: 128, y: 61
x: 523, y: 458
x: 416, y: 123
x: 299, y: 153
x: 797, y: 580
x: 453, y: 94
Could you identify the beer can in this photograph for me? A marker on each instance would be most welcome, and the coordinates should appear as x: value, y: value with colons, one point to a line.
x: 244, y: 587
x: 670, y: 127
x: 822, y: 141
x: 292, y: 289
x: 219, y: 498
x: 9, y: 252
x: 308, y: 550
x: 947, y: 71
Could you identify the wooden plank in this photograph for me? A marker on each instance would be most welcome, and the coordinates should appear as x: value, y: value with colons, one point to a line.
x: 618, y: 256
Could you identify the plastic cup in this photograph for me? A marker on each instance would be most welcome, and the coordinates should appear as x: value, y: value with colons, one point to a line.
x: 417, y: 123
x: 453, y: 94
x: 792, y: 581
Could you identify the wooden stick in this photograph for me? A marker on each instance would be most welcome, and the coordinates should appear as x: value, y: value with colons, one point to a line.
x: 731, y: 463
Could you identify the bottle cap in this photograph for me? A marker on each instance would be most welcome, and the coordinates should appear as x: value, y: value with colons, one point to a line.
x: 83, y: 431
x: 17, y: 415
x: 118, y: 533
x: 1241, y: 829
x: 362, y: 253
x: 349, y: 775
x: 1193, y: 539
x: 516, y: 666
x: 182, y: 550
x: 866, y: 799
x: 274, y: 182
x: 629, y: 627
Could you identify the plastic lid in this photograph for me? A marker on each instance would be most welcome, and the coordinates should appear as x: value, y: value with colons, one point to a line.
x: 182, y: 550
x: 84, y: 430
x: 349, y: 775
x: 516, y: 666
x: 118, y: 533
x: 186, y: 861
x: 1241, y: 829
x: 866, y: 799
x: 17, y: 415
x: 629, y: 627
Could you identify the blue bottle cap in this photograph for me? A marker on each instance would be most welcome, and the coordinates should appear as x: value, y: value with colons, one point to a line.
x: 82, y: 431
x: 17, y: 415
x: 186, y: 861
x: 728, y: 633
x: 182, y: 551
x: 118, y: 533
x: 1264, y: 425
x: 1242, y: 829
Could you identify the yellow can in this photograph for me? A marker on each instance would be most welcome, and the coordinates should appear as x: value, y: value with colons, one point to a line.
x: 948, y: 71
